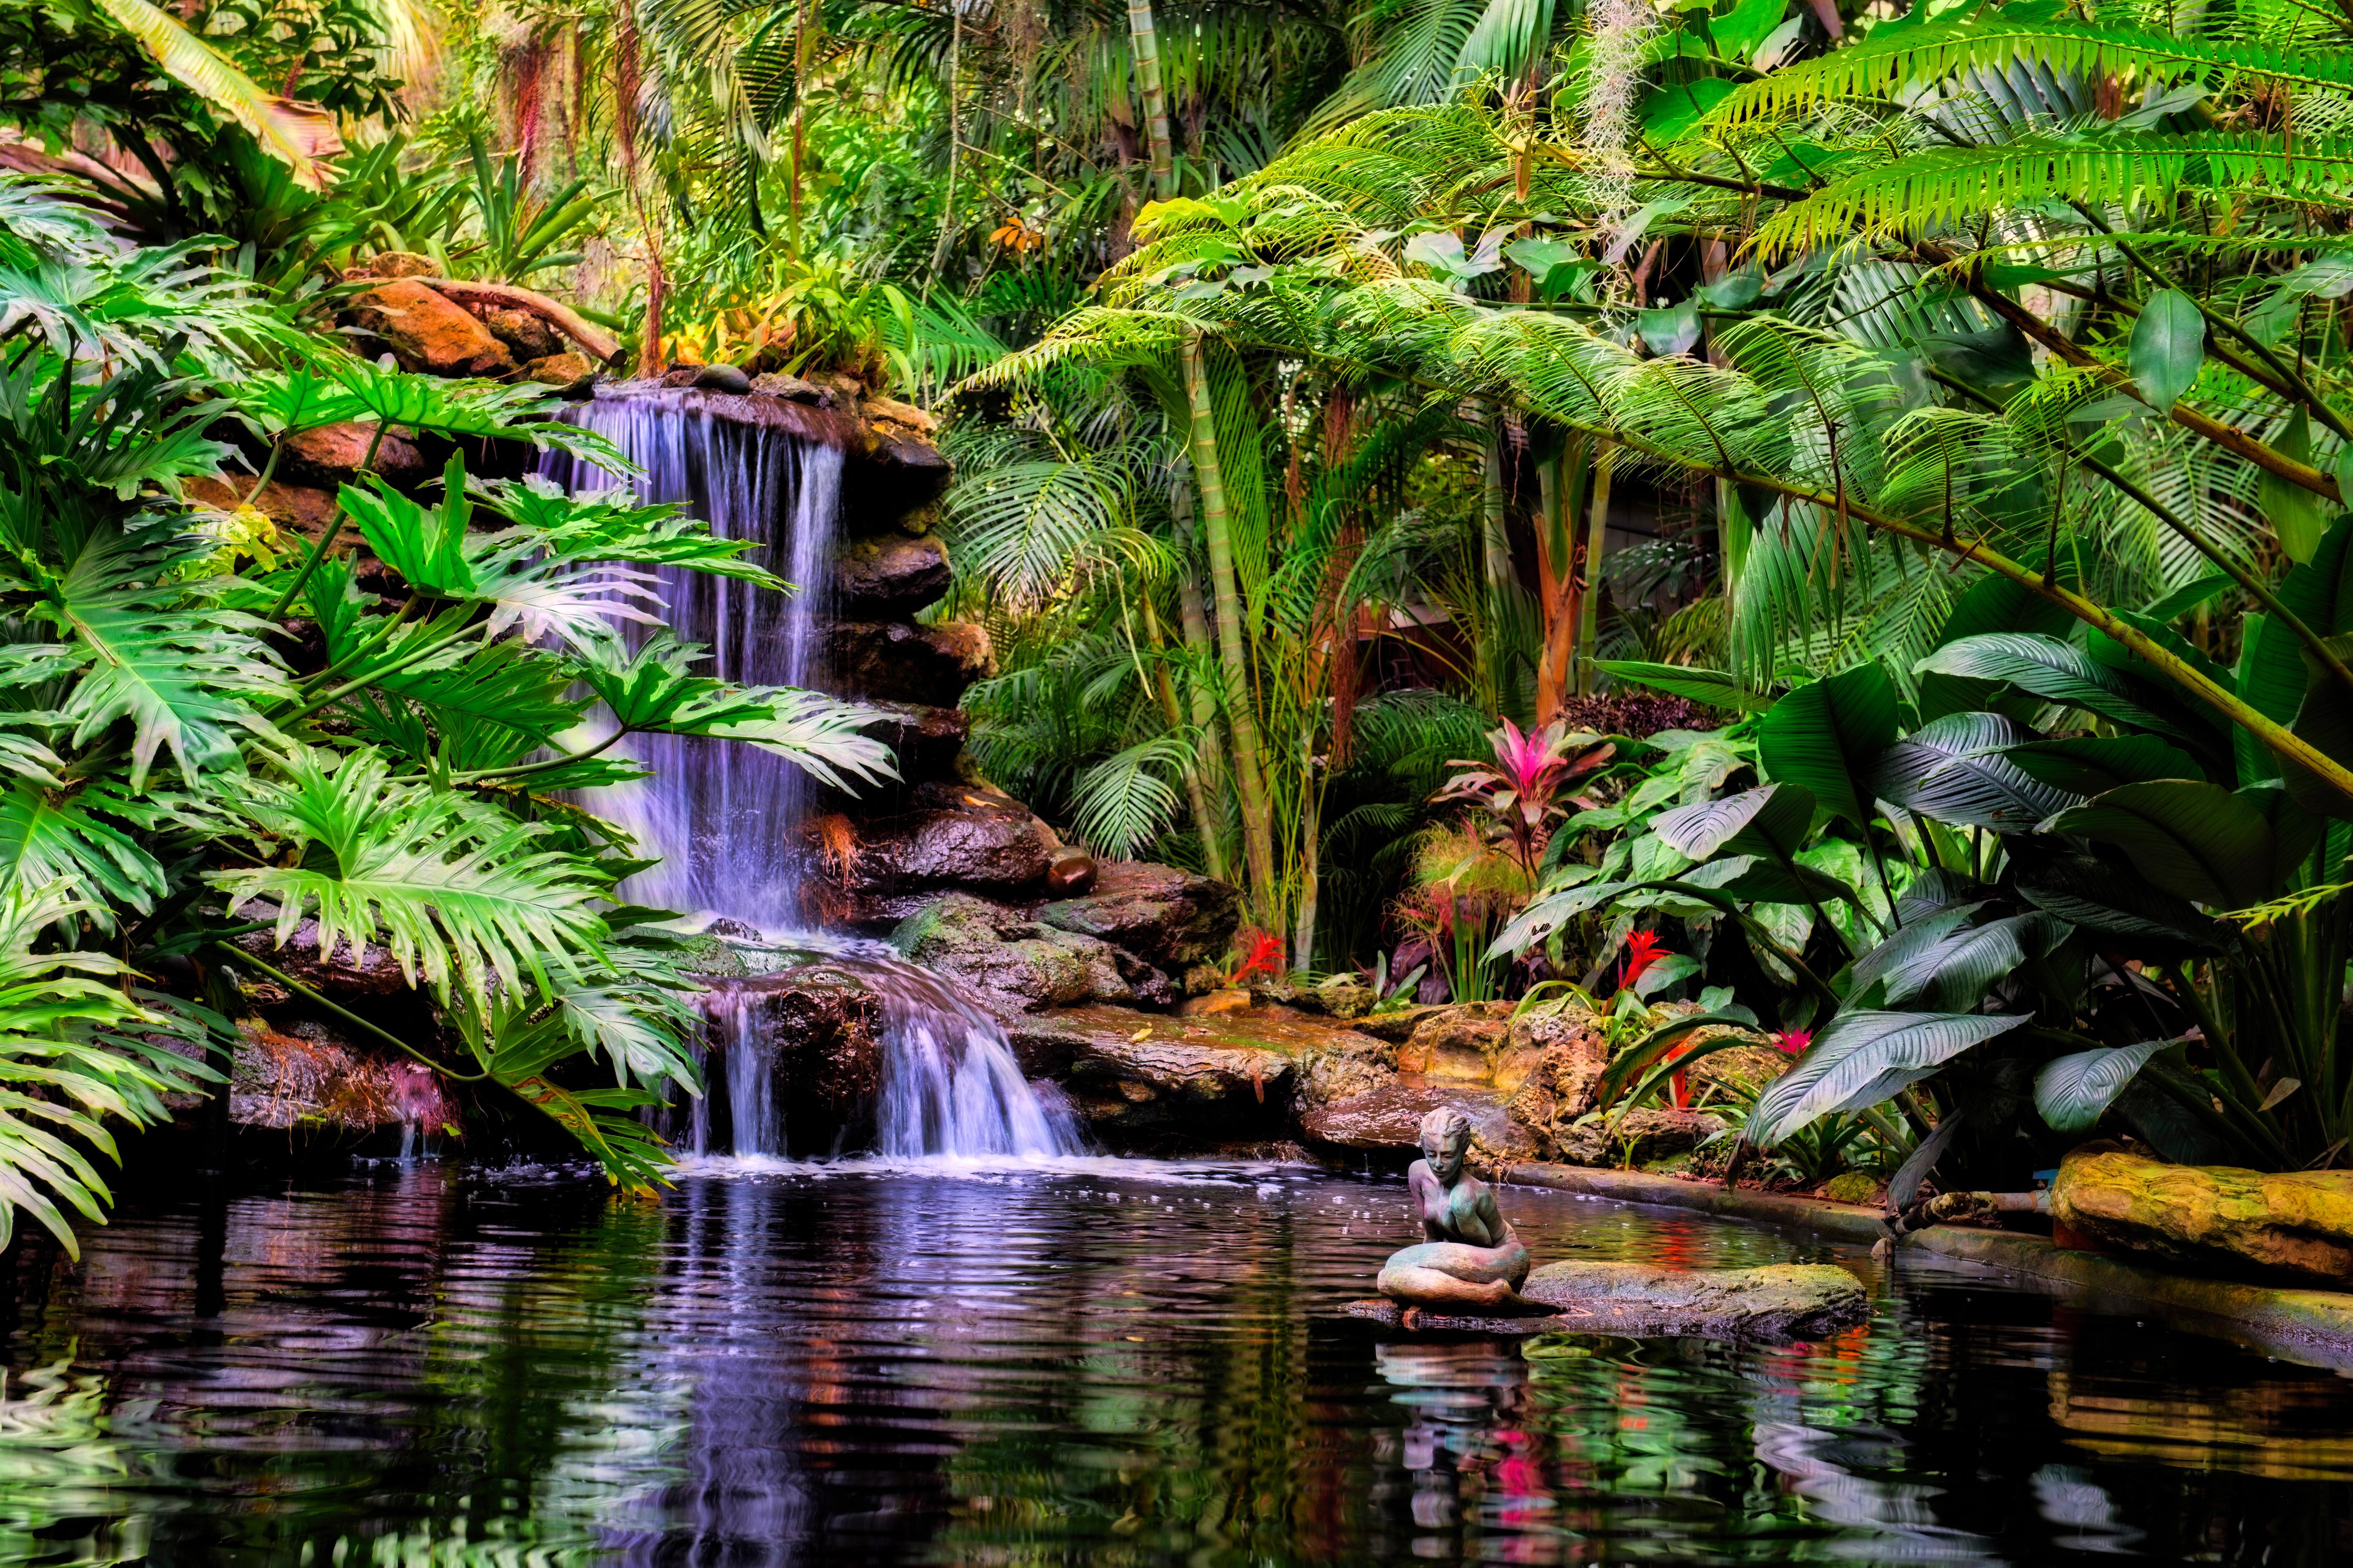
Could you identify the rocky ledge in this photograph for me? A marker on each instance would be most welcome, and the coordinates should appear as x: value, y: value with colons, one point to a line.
x: 1639, y: 1300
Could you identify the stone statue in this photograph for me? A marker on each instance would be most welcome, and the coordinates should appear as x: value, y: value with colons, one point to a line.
x: 1471, y: 1257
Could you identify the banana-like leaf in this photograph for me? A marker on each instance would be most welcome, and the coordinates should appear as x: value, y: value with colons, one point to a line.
x: 1771, y: 821
x: 2050, y: 669
x: 301, y: 135
x: 1954, y: 770
x: 2169, y: 345
x: 1919, y: 933
x: 1826, y: 735
x: 1712, y: 687
x: 1905, y: 1184
x: 1862, y: 1059
x: 1954, y: 973
x: 1770, y: 880
x: 2106, y: 900
x: 2088, y: 764
x: 2194, y: 840
x: 2074, y: 1092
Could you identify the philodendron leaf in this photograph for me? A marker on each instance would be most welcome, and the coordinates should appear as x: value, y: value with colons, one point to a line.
x: 2074, y: 1092
x: 2190, y: 838
x: 1827, y: 734
x: 2294, y: 512
x: 2169, y: 344
x: 1862, y: 1059
x: 1771, y: 821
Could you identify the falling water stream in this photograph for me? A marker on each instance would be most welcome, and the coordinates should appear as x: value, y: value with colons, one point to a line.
x: 721, y: 816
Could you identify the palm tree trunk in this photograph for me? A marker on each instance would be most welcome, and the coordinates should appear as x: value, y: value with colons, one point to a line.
x: 1560, y: 547
x: 1495, y: 572
x: 1144, y: 37
x: 1311, y: 831
x: 1205, y: 713
x: 1587, y: 587
x: 1249, y: 776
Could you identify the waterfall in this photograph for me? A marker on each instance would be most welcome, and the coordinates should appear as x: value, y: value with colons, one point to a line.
x: 951, y: 1083
x: 721, y: 816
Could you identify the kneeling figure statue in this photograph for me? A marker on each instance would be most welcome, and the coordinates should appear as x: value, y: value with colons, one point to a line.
x: 1471, y: 1257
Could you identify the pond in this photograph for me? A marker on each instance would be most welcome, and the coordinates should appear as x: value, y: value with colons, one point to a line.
x: 1111, y: 1363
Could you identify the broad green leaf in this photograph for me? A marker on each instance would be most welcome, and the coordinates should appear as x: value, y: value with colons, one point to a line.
x: 1774, y: 818
x: 1862, y: 1059
x: 2271, y: 679
x: 2294, y: 512
x: 2192, y: 838
x: 1957, y: 771
x: 2188, y: 597
x: 2107, y: 901
x: 2074, y: 1092
x: 1828, y: 734
x: 2169, y: 344
x: 48, y: 843
x: 2319, y: 592
x: 1637, y: 1058
x: 1954, y: 973
x: 2087, y: 764
x: 1711, y: 687
x: 1769, y: 878
x: 2050, y: 669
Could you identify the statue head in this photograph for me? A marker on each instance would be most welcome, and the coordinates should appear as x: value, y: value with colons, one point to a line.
x: 1445, y: 1139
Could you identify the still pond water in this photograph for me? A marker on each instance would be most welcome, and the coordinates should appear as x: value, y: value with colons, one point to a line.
x: 1109, y: 1364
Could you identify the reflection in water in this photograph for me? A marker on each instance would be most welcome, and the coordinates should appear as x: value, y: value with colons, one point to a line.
x: 1098, y: 1363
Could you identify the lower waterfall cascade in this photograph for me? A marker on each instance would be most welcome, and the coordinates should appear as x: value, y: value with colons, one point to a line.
x: 721, y: 816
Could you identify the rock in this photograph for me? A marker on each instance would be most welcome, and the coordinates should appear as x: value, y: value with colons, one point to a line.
x: 889, y: 411
x: 951, y: 834
x: 332, y: 454
x: 1652, y: 1132
x: 821, y: 1030
x: 1460, y: 1042
x: 1855, y: 1187
x: 426, y: 332
x: 847, y: 391
x: 339, y: 974
x: 306, y: 1077
x: 1558, y: 1051
x: 1348, y: 1067
x: 722, y: 378
x: 792, y: 388
x: 1739, y: 1074
x: 303, y: 509
x: 1169, y: 918
x: 525, y: 333
x: 1221, y: 1077
x: 1012, y: 964
x: 1072, y: 873
x: 680, y: 375
x: 927, y: 740
x: 2299, y: 1223
x: 1397, y: 1026
x: 1389, y: 1118
x: 1218, y: 999
x: 909, y: 471
x: 899, y: 662
x: 396, y: 264
x: 1345, y: 996
x: 566, y: 369
x: 1778, y: 1300
x: 889, y: 575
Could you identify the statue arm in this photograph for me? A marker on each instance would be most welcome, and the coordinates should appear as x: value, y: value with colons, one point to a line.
x: 1491, y: 1214
x: 1429, y: 1203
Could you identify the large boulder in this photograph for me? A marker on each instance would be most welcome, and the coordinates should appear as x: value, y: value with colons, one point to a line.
x: 331, y: 456
x: 820, y: 1031
x: 2297, y: 1223
x: 340, y: 974
x: 1139, y: 1073
x: 1387, y: 1120
x: 889, y: 575
x: 899, y: 662
x: 1012, y: 964
x: 307, y: 1077
x: 1464, y: 1043
x: 1779, y: 1300
x: 1169, y: 918
x: 1560, y: 1050
x: 426, y: 332
x: 1635, y: 1138
x: 927, y: 740
x: 951, y: 835
x: 526, y: 335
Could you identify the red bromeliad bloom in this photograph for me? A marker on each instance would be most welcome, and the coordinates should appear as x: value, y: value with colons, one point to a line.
x: 1265, y: 957
x: 1643, y: 950
x: 1794, y: 1041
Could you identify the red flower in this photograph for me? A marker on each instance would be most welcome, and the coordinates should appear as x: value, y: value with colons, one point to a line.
x: 1265, y: 955
x: 1794, y: 1041
x: 1643, y: 950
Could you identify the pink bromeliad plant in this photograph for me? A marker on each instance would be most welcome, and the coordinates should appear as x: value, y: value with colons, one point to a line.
x: 1523, y: 789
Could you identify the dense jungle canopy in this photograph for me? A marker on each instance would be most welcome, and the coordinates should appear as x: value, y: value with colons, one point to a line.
x: 1871, y: 476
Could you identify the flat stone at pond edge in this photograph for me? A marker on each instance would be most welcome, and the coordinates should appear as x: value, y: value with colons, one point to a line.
x: 2299, y: 1223
x: 1777, y: 1300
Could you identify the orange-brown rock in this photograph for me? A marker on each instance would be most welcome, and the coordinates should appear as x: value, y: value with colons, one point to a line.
x: 332, y: 455
x: 426, y: 332
x: 2296, y: 1223
x: 522, y: 332
x: 558, y: 369
x: 294, y: 508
